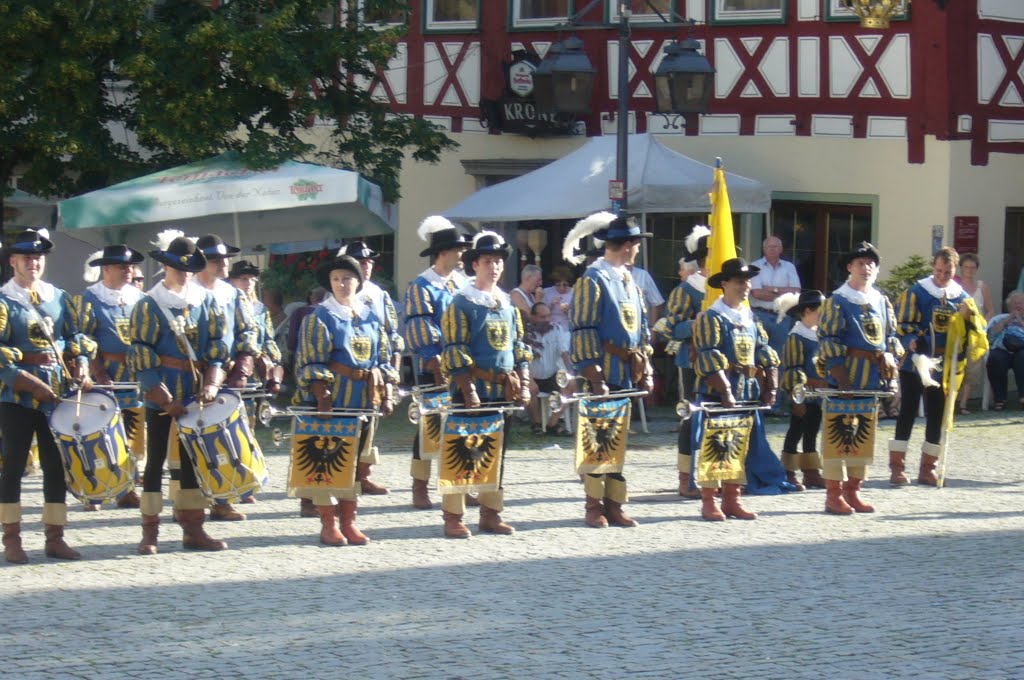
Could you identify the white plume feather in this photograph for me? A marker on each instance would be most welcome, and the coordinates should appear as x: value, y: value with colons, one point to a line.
x: 43, y: 231
x: 342, y: 250
x: 91, y: 274
x: 786, y: 302
x: 164, y: 238
x: 500, y: 241
x: 924, y: 365
x: 432, y: 225
x: 584, y: 228
x: 692, y: 242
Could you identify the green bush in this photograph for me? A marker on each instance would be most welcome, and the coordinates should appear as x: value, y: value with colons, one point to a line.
x: 903, y: 276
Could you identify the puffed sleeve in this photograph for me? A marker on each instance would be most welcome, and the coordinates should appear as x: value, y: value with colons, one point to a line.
x: 9, y: 356
x: 247, y: 333
x: 76, y: 344
x: 314, y: 352
x: 397, y: 344
x: 793, y: 363
x: 213, y: 348
x: 456, y: 356
x: 892, y: 340
x: 270, y: 348
x: 583, y: 318
x: 522, y: 351
x: 831, y: 332
x: 909, y: 322
x: 421, y: 333
x: 707, y: 337
x: 766, y: 356
x: 144, y: 330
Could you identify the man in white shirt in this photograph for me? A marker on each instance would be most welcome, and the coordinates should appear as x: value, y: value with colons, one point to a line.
x: 652, y: 296
x: 776, y: 278
x: 550, y: 345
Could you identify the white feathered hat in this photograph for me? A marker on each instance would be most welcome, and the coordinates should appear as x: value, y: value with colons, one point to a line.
x: 441, y: 234
x: 586, y: 227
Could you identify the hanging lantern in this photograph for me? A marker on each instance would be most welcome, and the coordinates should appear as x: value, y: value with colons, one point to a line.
x: 876, y: 13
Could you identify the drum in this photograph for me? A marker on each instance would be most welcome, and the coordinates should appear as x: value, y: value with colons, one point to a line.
x: 217, y: 439
x: 93, y: 446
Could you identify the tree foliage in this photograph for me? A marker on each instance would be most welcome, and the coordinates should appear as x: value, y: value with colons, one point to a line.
x: 904, y: 275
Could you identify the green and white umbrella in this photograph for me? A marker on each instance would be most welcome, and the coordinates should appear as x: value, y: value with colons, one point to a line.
x: 294, y: 202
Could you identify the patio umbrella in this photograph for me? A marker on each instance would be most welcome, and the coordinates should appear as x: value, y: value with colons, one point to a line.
x: 22, y: 209
x: 290, y: 203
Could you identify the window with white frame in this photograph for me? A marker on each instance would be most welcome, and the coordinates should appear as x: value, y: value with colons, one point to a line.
x: 380, y: 13
x: 526, y: 13
x: 837, y: 9
x: 642, y: 9
x: 749, y: 10
x: 446, y: 15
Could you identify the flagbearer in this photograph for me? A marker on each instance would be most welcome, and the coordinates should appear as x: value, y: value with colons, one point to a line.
x: 858, y: 345
x: 37, y: 329
x: 343, y: 362
x: 610, y: 340
x: 923, y: 316
x: 426, y: 300
x: 735, y: 363
x: 486, y: 360
x: 104, y: 314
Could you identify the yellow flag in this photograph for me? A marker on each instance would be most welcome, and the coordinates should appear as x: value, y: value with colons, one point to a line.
x: 971, y: 343
x: 721, y: 243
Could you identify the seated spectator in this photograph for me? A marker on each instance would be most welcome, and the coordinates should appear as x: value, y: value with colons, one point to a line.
x: 524, y: 296
x: 558, y: 297
x: 1006, y: 350
x: 550, y: 344
x: 978, y: 290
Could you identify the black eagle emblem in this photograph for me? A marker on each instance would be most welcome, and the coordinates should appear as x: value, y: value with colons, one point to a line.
x: 848, y: 432
x: 471, y: 453
x: 131, y: 422
x: 723, y: 446
x: 601, y: 437
x: 37, y: 335
x: 321, y: 457
x: 432, y: 426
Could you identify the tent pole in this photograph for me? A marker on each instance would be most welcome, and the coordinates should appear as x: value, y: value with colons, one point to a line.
x: 238, y: 233
x: 643, y: 242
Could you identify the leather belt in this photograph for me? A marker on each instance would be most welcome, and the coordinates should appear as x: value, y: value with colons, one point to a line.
x: 37, y: 359
x: 634, y: 357
x: 497, y: 377
x: 182, y: 364
x: 360, y: 374
x: 745, y: 369
x: 114, y: 356
x: 869, y: 354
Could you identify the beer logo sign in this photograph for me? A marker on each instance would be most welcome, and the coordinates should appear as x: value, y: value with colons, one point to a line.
x: 520, y: 77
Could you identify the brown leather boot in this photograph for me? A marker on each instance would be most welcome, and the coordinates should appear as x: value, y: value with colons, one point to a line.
x: 731, y: 503
x: 347, y: 511
x: 684, y: 486
x: 791, y: 478
x: 329, y: 532
x: 307, y: 509
x: 13, y: 552
x: 55, y: 546
x: 595, y: 513
x: 150, y: 534
x: 897, y: 464
x: 129, y: 500
x: 813, y: 479
x: 225, y: 512
x: 613, y: 511
x: 453, y: 526
x: 370, y: 487
x: 850, y: 494
x: 472, y: 501
x: 834, y: 502
x: 709, y: 509
x: 491, y: 522
x: 193, y: 536
x: 926, y: 472
x: 420, y: 495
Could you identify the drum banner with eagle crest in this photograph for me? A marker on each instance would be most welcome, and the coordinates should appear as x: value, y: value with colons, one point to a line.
x: 325, y: 455
x: 602, y: 435
x: 850, y: 430
x: 724, y: 445
x: 430, y: 423
x: 471, y: 459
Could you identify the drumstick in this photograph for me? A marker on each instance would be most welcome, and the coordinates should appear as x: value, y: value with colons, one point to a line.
x: 102, y: 407
x: 78, y: 404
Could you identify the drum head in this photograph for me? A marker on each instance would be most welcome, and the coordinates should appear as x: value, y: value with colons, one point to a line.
x: 217, y: 411
x: 93, y: 415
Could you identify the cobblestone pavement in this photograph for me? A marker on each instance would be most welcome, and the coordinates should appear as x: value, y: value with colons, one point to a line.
x: 927, y: 587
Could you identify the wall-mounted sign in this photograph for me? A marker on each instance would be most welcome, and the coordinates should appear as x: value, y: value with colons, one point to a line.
x: 966, y: 233
x: 516, y: 112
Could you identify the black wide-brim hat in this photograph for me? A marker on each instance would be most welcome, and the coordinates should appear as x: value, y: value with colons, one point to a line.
x: 808, y: 299
x: 862, y: 249
x: 30, y: 242
x: 359, y: 250
x: 117, y: 254
x: 621, y: 229
x: 446, y: 239
x: 486, y: 243
x: 736, y: 268
x: 214, y: 248
x: 181, y: 254
x: 347, y: 262
x: 243, y: 268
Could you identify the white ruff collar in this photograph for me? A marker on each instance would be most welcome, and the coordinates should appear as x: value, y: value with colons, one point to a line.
x: 223, y: 292
x: 952, y: 290
x: 741, y: 317
x: 871, y: 297
x: 438, y: 281
x: 345, y: 312
x: 192, y: 296
x: 127, y: 295
x: 698, y: 282
x: 371, y: 293
x: 619, y: 273
x: 493, y: 300
x: 803, y: 331
x: 13, y: 290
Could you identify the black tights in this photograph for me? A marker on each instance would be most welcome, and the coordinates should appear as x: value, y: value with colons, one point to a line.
x: 804, y: 427
x: 158, y: 431
x: 17, y: 425
x: 911, y: 391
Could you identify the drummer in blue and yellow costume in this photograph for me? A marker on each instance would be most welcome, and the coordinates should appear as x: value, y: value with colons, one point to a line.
x: 104, y: 314
x: 611, y: 342
x: 38, y: 328
x: 343, y: 362
x: 487, y: 360
x: 426, y: 300
x: 734, y: 364
x: 923, y: 314
x: 384, y: 308
x: 240, y: 335
x: 177, y: 352
x: 858, y: 345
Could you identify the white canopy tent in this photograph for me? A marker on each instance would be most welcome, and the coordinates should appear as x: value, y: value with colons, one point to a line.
x: 660, y: 181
